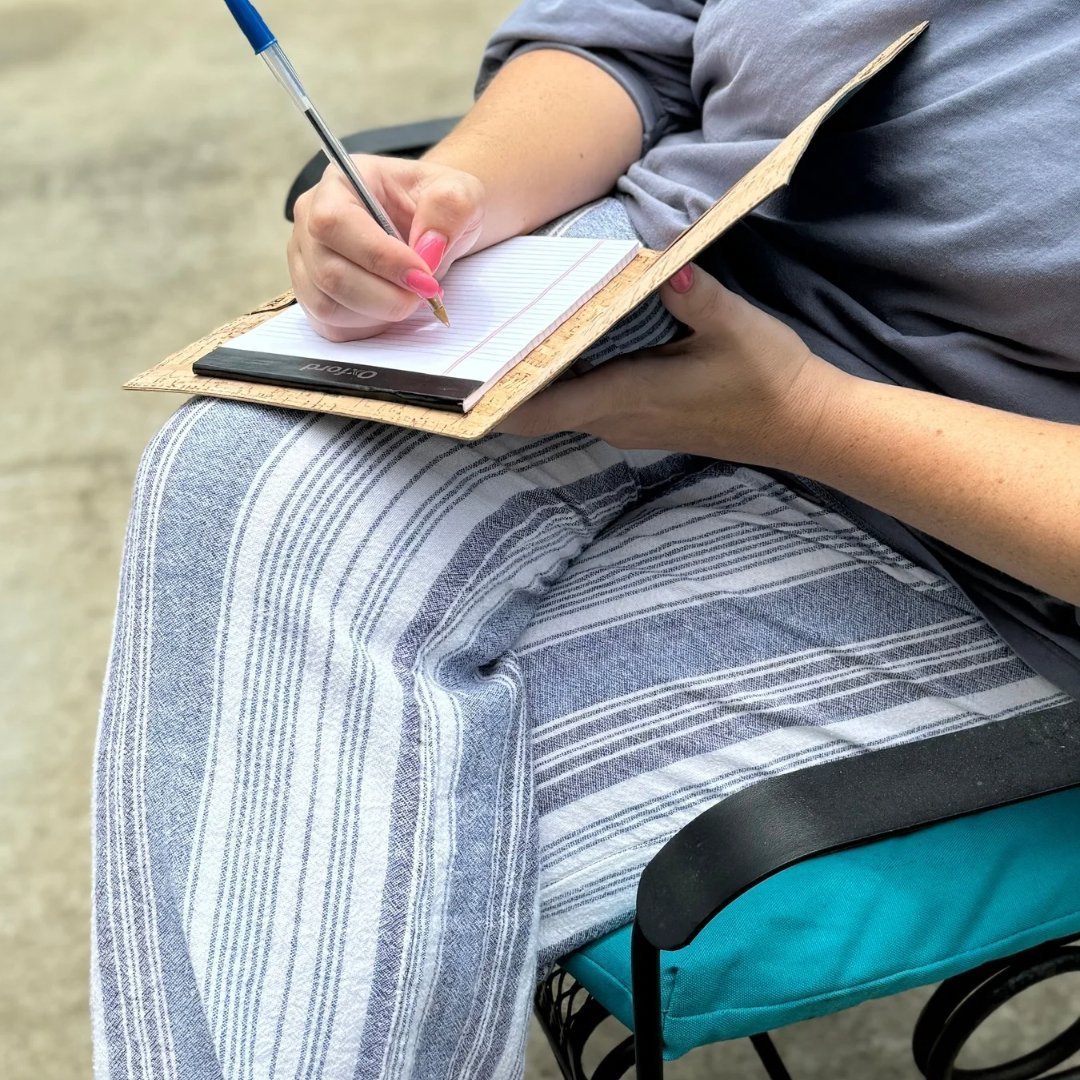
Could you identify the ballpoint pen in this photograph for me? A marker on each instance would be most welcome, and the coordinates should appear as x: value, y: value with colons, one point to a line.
x: 266, y: 45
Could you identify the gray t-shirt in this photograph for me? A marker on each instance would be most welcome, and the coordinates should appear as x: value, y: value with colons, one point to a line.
x: 931, y: 235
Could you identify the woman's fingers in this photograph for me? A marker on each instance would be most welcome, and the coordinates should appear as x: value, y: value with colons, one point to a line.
x: 349, y: 274
x: 337, y: 293
x: 337, y: 223
x: 447, y: 217
x: 328, y: 316
x: 353, y: 296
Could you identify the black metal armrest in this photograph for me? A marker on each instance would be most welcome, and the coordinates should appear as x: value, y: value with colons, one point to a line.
x: 783, y: 820
x: 402, y: 140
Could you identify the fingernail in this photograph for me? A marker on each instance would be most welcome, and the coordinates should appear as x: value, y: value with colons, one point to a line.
x: 431, y: 247
x: 683, y: 280
x: 422, y: 284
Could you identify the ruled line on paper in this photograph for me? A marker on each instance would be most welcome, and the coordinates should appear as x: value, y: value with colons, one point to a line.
x: 502, y: 302
x: 533, y: 303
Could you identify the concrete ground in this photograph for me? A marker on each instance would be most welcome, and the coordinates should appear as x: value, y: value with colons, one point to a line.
x: 144, y: 160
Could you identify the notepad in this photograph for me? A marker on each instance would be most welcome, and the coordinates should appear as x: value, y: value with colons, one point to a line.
x: 502, y: 302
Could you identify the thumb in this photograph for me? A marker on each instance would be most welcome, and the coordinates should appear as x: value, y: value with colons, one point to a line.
x: 699, y: 300
x: 447, y: 218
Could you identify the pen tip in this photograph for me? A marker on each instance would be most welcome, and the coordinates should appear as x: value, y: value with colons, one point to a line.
x: 440, y: 312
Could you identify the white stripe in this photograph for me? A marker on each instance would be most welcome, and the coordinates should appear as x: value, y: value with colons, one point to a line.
x: 147, y: 995
x: 773, y: 698
x: 706, y: 776
x: 101, y: 1067
x: 870, y: 647
x: 756, y: 713
x: 168, y: 1067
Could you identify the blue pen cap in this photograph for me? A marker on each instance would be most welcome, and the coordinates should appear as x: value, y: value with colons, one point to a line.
x: 251, y: 22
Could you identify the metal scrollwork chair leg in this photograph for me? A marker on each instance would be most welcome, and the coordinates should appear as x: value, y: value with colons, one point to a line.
x: 569, y: 1015
x: 960, y: 1005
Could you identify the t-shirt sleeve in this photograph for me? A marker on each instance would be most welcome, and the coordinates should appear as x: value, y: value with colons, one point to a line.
x: 647, y: 45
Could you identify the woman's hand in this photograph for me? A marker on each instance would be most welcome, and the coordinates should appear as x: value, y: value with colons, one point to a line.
x: 349, y: 276
x: 742, y: 386
x: 1002, y: 487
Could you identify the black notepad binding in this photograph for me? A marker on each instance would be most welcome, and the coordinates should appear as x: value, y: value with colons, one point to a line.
x: 358, y: 380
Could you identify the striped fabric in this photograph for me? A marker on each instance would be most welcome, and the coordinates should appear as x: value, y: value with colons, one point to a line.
x: 650, y: 323
x: 391, y: 722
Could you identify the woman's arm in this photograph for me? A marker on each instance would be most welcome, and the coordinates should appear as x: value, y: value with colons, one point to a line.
x: 551, y: 132
x: 1001, y: 487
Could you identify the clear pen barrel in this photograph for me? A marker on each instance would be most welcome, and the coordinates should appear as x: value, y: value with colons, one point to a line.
x: 285, y: 73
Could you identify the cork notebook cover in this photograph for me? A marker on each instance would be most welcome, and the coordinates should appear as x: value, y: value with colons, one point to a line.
x: 643, y: 275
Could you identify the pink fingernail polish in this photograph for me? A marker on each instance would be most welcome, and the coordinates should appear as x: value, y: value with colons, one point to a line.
x: 431, y: 247
x: 683, y: 280
x: 422, y: 284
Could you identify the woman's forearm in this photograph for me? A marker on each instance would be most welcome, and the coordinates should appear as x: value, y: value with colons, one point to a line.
x: 1001, y: 487
x: 551, y: 132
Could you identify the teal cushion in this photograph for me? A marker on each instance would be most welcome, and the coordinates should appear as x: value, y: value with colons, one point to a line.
x: 839, y: 929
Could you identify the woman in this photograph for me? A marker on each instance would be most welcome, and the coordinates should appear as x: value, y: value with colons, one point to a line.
x: 391, y: 721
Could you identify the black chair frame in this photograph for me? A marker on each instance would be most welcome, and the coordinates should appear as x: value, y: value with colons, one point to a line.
x: 784, y: 820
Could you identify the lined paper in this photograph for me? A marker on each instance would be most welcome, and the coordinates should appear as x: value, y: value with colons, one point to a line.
x: 502, y: 302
